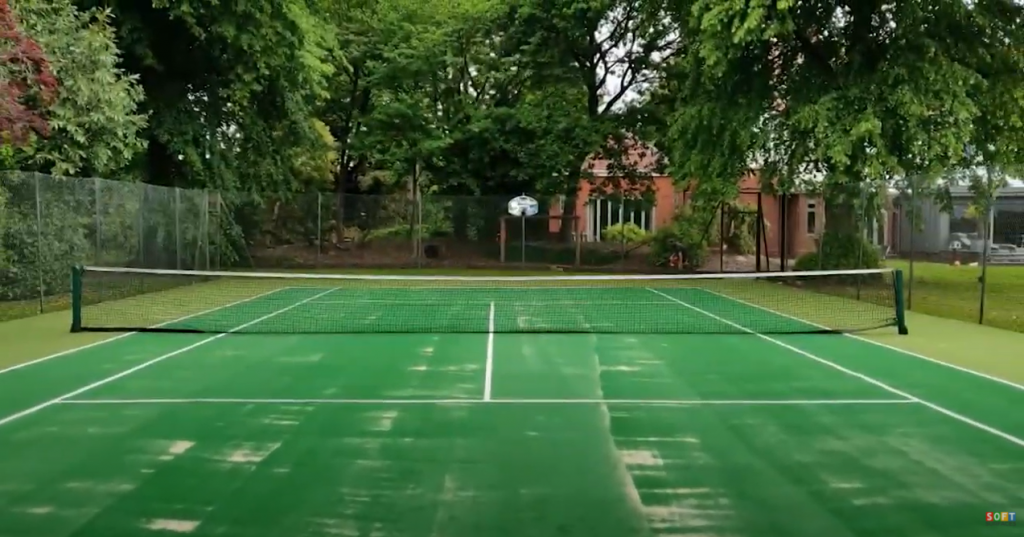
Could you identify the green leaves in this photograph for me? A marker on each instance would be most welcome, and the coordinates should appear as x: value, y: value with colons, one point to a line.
x: 95, y: 119
x: 834, y: 95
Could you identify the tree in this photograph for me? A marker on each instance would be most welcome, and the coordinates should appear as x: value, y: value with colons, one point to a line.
x: 231, y: 87
x: 27, y: 84
x: 95, y: 119
x: 612, y: 50
x: 840, y: 95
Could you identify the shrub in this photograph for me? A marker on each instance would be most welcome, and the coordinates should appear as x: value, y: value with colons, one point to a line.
x: 628, y: 232
x: 839, y: 251
x: 401, y: 231
x: 689, y: 231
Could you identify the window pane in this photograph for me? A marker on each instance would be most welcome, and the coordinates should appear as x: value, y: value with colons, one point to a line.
x: 1008, y: 227
x: 614, y: 213
x: 629, y: 211
x: 960, y: 221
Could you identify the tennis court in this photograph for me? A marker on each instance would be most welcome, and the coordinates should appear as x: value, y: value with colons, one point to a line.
x: 571, y: 406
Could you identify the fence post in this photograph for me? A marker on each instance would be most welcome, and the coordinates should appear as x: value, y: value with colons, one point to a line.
x: 622, y: 228
x: 417, y: 195
x: 913, y: 231
x: 319, y: 228
x: 177, y: 228
x: 39, y: 242
x: 99, y: 222
x: 783, y: 230
x: 721, y: 237
x: 502, y: 239
x: 759, y: 233
x: 987, y: 238
x: 142, y: 224
x: 206, y: 226
x: 865, y: 228
x: 417, y: 219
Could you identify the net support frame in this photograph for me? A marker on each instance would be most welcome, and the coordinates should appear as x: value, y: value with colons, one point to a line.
x: 901, y: 315
x: 76, y: 298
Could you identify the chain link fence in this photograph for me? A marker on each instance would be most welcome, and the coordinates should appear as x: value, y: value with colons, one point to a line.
x: 961, y: 259
x: 48, y: 224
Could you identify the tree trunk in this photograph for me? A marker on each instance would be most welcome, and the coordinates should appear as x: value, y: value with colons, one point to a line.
x: 343, y: 182
x: 842, y: 215
x: 570, y: 197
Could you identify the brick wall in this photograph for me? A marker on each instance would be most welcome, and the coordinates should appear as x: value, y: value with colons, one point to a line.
x: 668, y: 198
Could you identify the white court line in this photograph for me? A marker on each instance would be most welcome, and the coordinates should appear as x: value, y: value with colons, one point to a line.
x: 660, y: 402
x: 890, y: 347
x: 126, y: 372
x: 426, y: 301
x: 880, y: 384
x: 120, y: 336
x: 489, y: 370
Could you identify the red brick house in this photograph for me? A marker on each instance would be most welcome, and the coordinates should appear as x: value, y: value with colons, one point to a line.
x: 805, y: 214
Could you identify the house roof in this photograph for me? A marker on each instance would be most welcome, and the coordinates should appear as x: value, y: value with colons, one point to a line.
x: 1006, y: 192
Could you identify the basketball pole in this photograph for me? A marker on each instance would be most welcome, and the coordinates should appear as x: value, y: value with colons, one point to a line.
x: 522, y: 238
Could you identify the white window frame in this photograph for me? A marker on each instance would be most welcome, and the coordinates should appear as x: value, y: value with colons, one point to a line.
x: 601, y: 210
x: 812, y: 208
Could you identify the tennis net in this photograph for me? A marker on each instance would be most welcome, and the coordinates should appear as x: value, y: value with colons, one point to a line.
x: 127, y: 299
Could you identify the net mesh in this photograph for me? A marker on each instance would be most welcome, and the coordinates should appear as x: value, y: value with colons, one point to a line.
x: 125, y: 299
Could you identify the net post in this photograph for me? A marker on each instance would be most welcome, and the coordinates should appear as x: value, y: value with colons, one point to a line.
x: 76, y: 298
x: 901, y: 316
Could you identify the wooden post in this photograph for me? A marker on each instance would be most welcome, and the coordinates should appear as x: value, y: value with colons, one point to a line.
x: 578, y: 238
x: 502, y: 238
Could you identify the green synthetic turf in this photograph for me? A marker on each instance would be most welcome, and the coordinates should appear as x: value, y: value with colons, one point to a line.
x: 509, y: 467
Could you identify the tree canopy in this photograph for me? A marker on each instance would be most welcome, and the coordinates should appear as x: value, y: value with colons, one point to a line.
x: 502, y: 97
x: 839, y: 95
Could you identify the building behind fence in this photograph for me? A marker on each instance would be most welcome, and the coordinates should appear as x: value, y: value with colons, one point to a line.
x: 48, y: 224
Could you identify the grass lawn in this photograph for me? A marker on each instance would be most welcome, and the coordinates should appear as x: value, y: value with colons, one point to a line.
x: 954, y: 292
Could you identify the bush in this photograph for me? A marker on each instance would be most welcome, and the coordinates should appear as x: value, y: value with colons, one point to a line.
x: 688, y: 231
x: 401, y: 231
x: 628, y: 232
x: 35, y: 256
x: 840, y: 251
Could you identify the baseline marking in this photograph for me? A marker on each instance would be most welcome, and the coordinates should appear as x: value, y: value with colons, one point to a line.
x: 489, y: 370
x: 144, y: 365
x: 653, y: 402
x: 878, y: 383
x: 880, y: 344
x: 121, y: 336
